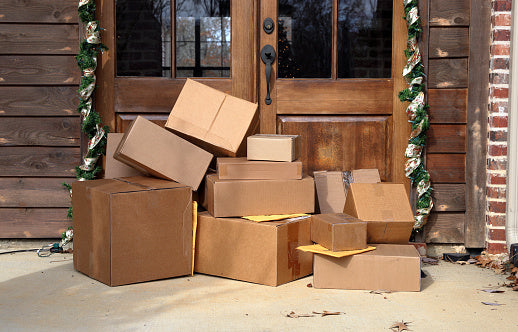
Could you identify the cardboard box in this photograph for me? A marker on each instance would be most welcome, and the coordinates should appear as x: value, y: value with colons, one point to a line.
x: 132, y: 229
x: 263, y: 253
x: 273, y: 147
x: 332, y: 187
x: 114, y: 168
x: 155, y: 150
x: 386, y: 209
x: 243, y: 169
x: 238, y: 198
x: 390, y: 267
x: 213, y: 120
x: 338, y: 231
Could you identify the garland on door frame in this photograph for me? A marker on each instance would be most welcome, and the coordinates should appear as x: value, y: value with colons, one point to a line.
x: 91, y: 124
x: 417, y: 112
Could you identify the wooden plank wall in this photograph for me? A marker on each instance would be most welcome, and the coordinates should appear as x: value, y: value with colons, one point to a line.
x: 447, y: 43
x: 39, y: 126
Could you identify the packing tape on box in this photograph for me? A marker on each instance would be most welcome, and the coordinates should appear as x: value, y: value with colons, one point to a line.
x: 194, y: 226
x: 318, y: 249
x: 293, y: 254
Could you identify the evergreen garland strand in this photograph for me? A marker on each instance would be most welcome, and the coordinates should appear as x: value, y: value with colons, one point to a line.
x: 417, y: 112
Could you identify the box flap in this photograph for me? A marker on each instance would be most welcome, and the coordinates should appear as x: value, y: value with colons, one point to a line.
x: 151, y: 183
x: 331, y: 191
x: 115, y: 168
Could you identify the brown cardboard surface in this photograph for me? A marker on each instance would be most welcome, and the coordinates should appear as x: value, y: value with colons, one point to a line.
x: 132, y: 229
x: 386, y: 209
x: 114, y: 168
x: 273, y: 147
x: 161, y: 153
x: 237, y: 198
x: 390, y: 267
x: 332, y: 186
x: 338, y: 231
x: 216, y: 121
x: 263, y: 253
x: 243, y: 169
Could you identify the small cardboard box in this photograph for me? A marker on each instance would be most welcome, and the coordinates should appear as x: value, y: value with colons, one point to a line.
x: 238, y: 198
x: 263, y: 253
x: 386, y: 209
x: 161, y: 153
x: 132, y: 229
x: 273, y: 147
x: 332, y: 186
x: 114, y: 168
x: 338, y: 231
x: 390, y: 267
x: 243, y: 169
x: 213, y: 120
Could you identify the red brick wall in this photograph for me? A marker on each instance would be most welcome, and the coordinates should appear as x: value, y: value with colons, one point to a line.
x: 498, y: 124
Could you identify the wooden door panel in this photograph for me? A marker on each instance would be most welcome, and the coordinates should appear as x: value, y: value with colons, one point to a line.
x: 33, y: 223
x: 445, y: 228
x: 448, y: 73
x: 353, y: 96
x: 449, y: 42
x: 155, y: 95
x: 448, y: 105
x: 34, y: 192
x: 447, y: 168
x: 123, y: 120
x: 341, y: 142
x: 449, y: 197
x: 446, y: 139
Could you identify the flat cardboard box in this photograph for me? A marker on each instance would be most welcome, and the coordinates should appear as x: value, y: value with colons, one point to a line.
x: 338, y: 231
x: 238, y: 198
x: 114, y: 168
x: 386, y: 209
x: 390, y: 267
x: 149, y: 147
x: 263, y: 253
x: 213, y: 120
x: 273, y: 147
x: 332, y: 186
x: 243, y: 169
x: 132, y: 229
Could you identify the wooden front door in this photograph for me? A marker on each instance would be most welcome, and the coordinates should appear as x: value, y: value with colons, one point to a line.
x: 334, y: 80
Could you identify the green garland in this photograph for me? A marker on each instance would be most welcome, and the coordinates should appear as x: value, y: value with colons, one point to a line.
x: 417, y: 112
x: 91, y: 125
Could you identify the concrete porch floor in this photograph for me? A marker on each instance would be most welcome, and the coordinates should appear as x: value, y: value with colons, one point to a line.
x: 45, y: 294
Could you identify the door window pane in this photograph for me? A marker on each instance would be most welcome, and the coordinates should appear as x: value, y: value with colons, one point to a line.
x: 143, y: 37
x: 305, y: 38
x: 203, y: 38
x: 364, y: 38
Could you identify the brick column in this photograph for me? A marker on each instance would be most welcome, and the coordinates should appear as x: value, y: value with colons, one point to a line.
x: 498, y: 125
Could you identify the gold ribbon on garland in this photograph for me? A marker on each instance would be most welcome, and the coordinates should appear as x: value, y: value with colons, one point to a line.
x: 417, y: 116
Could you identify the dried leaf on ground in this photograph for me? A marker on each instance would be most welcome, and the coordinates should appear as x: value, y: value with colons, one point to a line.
x: 329, y: 313
x: 492, y: 303
x: 380, y: 292
x: 492, y: 290
x: 400, y: 326
x: 515, y: 288
x: 428, y: 260
x: 309, y: 285
x: 294, y: 315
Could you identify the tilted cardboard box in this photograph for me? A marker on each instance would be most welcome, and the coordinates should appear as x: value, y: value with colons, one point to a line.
x: 153, y: 149
x: 386, y: 209
x: 243, y: 169
x: 338, y: 231
x: 114, y: 168
x: 238, y: 198
x: 332, y: 186
x: 132, y: 229
x: 263, y: 253
x: 213, y: 120
x: 390, y: 267
x: 273, y: 147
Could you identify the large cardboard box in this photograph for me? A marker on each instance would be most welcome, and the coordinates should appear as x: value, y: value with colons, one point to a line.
x: 243, y: 169
x: 114, y: 168
x: 386, y: 209
x: 273, y: 147
x: 238, y: 198
x: 263, y: 253
x: 332, y: 186
x: 153, y: 149
x: 390, y: 267
x: 132, y: 229
x: 338, y: 231
x: 214, y: 120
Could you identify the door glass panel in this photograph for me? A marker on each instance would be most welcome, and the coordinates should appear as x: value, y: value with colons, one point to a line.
x: 364, y: 38
x: 305, y: 38
x: 143, y: 37
x: 203, y: 38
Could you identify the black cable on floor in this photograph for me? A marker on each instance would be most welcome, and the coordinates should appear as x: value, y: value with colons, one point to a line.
x: 15, y: 251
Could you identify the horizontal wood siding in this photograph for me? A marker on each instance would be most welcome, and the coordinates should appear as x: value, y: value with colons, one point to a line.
x: 39, y: 125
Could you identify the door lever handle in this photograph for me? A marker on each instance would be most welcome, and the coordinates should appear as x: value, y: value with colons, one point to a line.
x: 268, y: 56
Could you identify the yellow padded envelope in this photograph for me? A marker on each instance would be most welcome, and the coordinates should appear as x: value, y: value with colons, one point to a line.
x: 318, y: 249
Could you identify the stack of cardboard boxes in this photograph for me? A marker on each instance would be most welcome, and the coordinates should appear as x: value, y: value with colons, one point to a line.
x: 137, y: 223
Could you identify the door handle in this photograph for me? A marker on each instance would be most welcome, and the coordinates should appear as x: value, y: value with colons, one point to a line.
x: 268, y: 56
